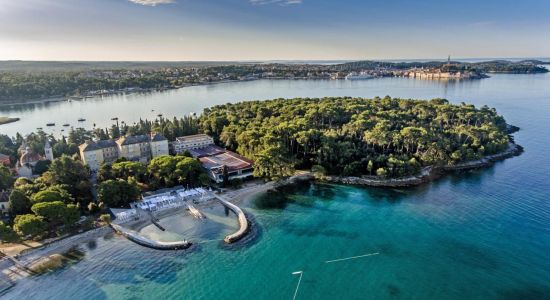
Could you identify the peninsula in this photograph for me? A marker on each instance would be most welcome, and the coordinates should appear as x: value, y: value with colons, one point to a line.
x: 380, y: 138
x: 6, y: 120
x: 384, y: 142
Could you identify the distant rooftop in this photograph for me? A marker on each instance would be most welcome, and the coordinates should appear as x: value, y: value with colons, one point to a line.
x: 91, y: 145
x: 125, y: 140
x: 192, y: 137
x: 157, y: 137
x: 206, y: 151
x: 132, y: 139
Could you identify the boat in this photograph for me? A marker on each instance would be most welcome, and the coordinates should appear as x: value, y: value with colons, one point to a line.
x: 50, y: 124
x: 39, y: 128
x: 359, y: 76
x: 114, y: 119
x: 66, y: 125
x: 159, y: 115
x: 81, y: 119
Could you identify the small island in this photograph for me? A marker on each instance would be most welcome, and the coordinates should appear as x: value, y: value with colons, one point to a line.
x: 380, y: 142
x: 6, y: 120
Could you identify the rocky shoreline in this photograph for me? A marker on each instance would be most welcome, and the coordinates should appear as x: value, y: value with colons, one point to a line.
x: 427, y: 174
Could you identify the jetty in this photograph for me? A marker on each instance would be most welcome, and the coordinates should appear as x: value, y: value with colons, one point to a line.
x: 243, y: 222
x: 141, y: 240
x: 156, y: 223
x: 195, y: 212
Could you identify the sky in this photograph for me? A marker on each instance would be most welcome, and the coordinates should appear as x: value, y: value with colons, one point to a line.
x: 223, y: 30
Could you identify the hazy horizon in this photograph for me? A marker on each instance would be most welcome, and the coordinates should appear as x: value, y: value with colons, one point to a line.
x: 461, y: 59
x: 271, y: 30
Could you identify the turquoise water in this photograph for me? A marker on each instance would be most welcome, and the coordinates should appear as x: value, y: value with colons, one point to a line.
x: 483, y: 234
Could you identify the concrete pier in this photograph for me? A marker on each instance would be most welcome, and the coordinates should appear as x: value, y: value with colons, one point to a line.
x: 195, y: 212
x: 243, y: 222
x: 141, y: 240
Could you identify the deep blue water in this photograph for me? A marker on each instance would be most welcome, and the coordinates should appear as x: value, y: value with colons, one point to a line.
x: 483, y: 234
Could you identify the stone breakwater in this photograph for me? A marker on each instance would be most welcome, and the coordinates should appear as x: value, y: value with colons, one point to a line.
x: 135, y: 237
x: 141, y: 240
x: 243, y: 222
x: 428, y: 173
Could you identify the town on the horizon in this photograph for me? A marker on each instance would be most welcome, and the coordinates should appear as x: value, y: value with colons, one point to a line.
x: 76, y: 80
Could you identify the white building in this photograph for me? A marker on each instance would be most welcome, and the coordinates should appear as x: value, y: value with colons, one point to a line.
x: 94, y: 154
x: 48, y: 151
x: 159, y: 145
x: 190, y: 142
x: 136, y: 148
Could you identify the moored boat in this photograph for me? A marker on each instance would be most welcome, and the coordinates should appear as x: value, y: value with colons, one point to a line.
x: 359, y: 76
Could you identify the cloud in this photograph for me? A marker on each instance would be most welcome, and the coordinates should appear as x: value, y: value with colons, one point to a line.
x: 151, y: 2
x: 279, y: 2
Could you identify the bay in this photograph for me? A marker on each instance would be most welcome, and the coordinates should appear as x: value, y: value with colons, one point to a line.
x: 482, y: 234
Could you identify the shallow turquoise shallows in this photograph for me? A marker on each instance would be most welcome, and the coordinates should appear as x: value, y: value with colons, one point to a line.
x: 483, y: 234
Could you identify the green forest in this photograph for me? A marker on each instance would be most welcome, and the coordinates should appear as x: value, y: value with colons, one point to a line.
x: 387, y: 137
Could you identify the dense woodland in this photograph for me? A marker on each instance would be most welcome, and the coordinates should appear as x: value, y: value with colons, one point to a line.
x: 386, y: 137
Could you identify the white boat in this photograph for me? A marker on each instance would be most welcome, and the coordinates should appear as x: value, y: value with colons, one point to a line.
x: 359, y: 76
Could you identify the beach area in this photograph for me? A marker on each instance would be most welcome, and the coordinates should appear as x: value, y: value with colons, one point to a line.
x: 18, y: 259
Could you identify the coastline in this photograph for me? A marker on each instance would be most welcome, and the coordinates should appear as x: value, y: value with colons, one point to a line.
x: 33, y: 256
x: 58, y: 98
x: 427, y: 174
x: 245, y: 193
x: 7, y: 120
x: 54, y: 99
x: 13, y: 268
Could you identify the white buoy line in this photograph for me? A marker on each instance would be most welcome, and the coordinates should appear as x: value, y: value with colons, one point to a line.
x: 301, y: 273
x: 353, y: 257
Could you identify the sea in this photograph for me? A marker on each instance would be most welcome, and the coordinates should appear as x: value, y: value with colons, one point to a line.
x: 480, y: 234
